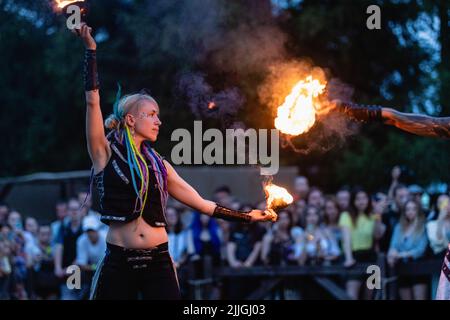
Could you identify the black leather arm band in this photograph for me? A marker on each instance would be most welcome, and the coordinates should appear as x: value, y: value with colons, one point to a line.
x: 91, y: 81
x: 361, y: 112
x: 231, y: 215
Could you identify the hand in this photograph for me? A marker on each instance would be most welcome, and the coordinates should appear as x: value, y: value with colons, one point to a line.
x: 236, y: 264
x: 267, y: 215
x: 59, y: 272
x: 349, y: 263
x: 86, y: 36
x: 247, y: 264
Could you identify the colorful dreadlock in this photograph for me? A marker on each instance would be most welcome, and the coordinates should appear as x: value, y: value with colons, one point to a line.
x: 138, y: 166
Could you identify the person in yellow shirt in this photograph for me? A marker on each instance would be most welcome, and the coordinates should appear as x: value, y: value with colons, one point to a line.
x: 364, y: 228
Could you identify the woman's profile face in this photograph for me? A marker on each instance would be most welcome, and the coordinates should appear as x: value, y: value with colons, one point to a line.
x: 147, y: 120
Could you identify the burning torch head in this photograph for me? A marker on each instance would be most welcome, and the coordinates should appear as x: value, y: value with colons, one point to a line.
x: 278, y: 198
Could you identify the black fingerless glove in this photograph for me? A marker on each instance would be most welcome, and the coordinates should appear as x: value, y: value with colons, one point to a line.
x: 360, y: 112
x: 91, y: 81
x: 231, y: 215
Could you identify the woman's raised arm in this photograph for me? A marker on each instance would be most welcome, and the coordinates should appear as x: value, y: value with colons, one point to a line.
x: 96, y: 141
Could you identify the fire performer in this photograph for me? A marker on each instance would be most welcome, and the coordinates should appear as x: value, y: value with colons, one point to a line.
x: 134, y: 183
x: 422, y: 125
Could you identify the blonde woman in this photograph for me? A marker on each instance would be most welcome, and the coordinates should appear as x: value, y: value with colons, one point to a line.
x: 409, y: 242
x: 134, y: 183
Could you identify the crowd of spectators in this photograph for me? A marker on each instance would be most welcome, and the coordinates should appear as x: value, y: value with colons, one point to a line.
x: 348, y: 227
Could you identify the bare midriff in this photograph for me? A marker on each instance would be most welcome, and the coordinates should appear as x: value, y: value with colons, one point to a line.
x: 136, y: 234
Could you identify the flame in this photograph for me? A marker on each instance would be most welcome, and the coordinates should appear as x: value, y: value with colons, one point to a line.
x: 297, y: 114
x: 211, y: 105
x: 63, y: 3
x: 277, y: 197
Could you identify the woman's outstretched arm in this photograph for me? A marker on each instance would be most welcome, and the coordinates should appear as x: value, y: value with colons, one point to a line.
x: 185, y: 193
x: 421, y: 125
x: 96, y: 141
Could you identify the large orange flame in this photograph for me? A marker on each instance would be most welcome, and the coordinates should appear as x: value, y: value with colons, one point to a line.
x: 298, y: 112
x: 277, y: 197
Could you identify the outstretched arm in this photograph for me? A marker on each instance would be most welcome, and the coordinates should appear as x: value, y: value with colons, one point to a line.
x: 183, y: 192
x: 421, y: 125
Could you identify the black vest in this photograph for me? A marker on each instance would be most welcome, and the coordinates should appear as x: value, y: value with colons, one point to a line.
x: 117, y: 195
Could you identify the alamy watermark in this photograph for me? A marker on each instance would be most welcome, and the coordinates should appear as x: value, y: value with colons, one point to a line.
x: 374, y: 280
x: 241, y: 146
x: 74, y: 17
x: 374, y: 20
x: 74, y: 279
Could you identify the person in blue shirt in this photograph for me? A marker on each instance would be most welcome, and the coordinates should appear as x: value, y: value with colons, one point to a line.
x: 409, y: 242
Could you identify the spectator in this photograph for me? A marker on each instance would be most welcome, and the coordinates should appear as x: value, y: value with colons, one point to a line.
x: 61, y: 214
x: 363, y: 228
x: 278, y: 244
x: 4, y: 211
x: 15, y: 221
x: 392, y: 216
x: 19, y: 279
x: 301, y: 188
x: 409, y: 242
x: 90, y: 249
x: 5, y: 269
x: 205, y: 236
x: 395, y: 182
x: 178, y: 238
x: 298, y: 210
x: 85, y: 200
x: 315, y: 198
x: 343, y: 199
x: 66, y: 247
x: 224, y: 236
x: 441, y: 201
x: 45, y: 283
x: 313, y: 240
x: 204, y: 239
x: 337, y: 237
x: 416, y: 192
x: 243, y: 251
x: 31, y: 236
x: 439, y: 230
x: 186, y: 216
x: 222, y: 196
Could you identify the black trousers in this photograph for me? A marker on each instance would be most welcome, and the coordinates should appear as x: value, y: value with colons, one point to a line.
x: 131, y: 274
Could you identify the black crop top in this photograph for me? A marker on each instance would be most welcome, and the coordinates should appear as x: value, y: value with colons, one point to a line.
x: 117, y: 195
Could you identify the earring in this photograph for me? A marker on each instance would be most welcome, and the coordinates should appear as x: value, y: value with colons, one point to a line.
x: 132, y: 132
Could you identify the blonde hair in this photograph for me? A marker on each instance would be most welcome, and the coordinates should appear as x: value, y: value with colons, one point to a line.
x: 126, y: 105
x: 421, y: 219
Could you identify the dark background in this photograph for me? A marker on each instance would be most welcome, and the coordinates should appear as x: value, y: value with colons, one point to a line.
x: 155, y: 44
